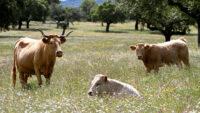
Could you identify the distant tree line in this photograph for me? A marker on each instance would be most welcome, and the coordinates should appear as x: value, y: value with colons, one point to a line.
x: 169, y: 17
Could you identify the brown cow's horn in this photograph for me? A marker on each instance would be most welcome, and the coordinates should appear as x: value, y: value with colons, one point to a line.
x: 42, y: 33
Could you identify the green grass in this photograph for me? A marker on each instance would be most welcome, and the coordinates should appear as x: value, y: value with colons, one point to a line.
x: 90, y: 51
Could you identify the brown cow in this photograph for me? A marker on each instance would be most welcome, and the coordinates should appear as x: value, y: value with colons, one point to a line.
x: 36, y: 57
x: 157, y: 55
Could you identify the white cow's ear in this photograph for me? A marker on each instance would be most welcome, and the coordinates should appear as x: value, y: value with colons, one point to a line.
x: 105, y: 78
x: 133, y: 48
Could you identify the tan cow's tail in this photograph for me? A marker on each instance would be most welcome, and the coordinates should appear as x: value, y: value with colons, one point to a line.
x: 13, y: 72
x: 183, y: 39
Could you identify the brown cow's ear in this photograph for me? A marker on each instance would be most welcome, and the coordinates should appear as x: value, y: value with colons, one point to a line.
x: 105, y: 78
x: 147, y: 46
x: 133, y: 48
x: 63, y: 40
x: 45, y: 40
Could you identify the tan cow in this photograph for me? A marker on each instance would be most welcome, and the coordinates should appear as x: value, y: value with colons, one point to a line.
x: 36, y: 57
x: 102, y: 84
x: 157, y: 55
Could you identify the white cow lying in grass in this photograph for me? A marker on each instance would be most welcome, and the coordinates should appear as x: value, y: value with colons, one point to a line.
x: 102, y: 84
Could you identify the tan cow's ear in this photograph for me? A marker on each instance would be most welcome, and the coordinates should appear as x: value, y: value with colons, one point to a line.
x: 133, y: 48
x: 105, y: 78
x: 63, y: 40
x: 147, y: 46
x: 45, y: 40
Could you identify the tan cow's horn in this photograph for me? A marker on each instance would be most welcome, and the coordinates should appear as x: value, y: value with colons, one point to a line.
x: 68, y: 33
x: 42, y: 33
x: 63, y: 36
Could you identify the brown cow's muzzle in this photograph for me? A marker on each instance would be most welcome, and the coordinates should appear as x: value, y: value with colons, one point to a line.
x: 139, y: 57
x: 59, y: 53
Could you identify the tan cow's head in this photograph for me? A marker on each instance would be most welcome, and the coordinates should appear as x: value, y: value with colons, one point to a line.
x: 140, y: 49
x: 53, y: 42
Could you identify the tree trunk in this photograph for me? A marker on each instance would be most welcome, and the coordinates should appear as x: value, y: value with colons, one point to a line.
x: 27, y: 24
x: 19, y: 24
x: 107, y: 27
x: 58, y: 24
x: 64, y: 28
x: 198, y: 33
x: 167, y: 37
x: 136, y: 24
x: 102, y: 24
x: 44, y: 20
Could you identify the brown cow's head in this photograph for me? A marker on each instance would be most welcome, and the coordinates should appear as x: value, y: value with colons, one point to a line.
x: 53, y: 42
x: 140, y: 49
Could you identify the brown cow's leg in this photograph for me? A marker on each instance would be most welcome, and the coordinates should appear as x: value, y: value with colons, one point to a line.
x: 179, y: 64
x: 148, y: 71
x: 156, y: 70
x: 21, y: 78
x: 48, y: 77
x: 38, y: 75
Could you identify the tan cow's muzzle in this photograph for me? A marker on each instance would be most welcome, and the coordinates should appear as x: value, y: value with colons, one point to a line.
x: 59, y: 53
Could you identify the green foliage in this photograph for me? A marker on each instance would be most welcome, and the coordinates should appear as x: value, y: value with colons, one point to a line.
x: 53, y: 1
x: 160, y: 16
x: 34, y: 10
x: 9, y: 12
x: 86, y: 7
x: 72, y: 14
x: 57, y: 12
x: 108, y: 12
x: 191, y: 8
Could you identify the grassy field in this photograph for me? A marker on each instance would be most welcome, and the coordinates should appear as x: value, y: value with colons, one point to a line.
x: 90, y: 51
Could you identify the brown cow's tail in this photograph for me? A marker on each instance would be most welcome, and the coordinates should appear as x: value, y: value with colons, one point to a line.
x: 13, y: 74
x: 183, y: 39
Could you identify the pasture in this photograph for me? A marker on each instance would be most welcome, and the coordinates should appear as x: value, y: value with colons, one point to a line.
x: 90, y: 51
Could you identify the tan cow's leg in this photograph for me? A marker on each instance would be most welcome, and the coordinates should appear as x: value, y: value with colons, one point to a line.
x: 21, y: 78
x: 38, y: 75
x: 26, y: 78
x: 186, y: 61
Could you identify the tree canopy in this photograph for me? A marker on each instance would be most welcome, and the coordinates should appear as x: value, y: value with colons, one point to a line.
x: 191, y: 8
x: 86, y: 7
x: 162, y: 17
x: 72, y: 14
x: 33, y: 10
x: 9, y: 11
x: 108, y: 12
x: 57, y: 13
